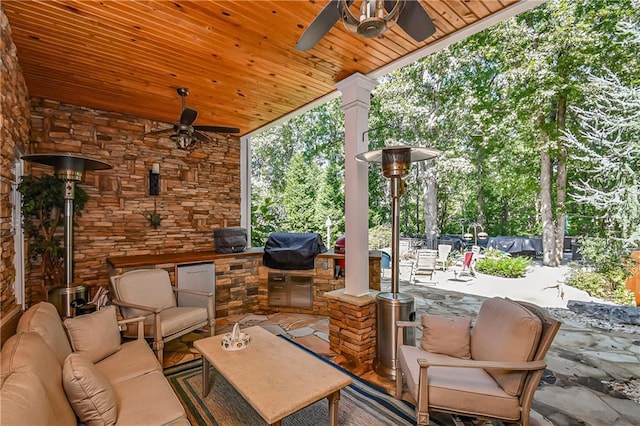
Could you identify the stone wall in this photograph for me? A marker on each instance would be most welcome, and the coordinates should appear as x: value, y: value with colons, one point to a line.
x: 199, y: 190
x: 14, y: 138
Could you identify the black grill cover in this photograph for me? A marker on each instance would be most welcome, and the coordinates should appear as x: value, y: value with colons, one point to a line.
x: 230, y: 240
x: 292, y: 250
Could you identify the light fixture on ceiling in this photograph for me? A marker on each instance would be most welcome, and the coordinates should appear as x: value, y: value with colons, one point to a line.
x: 373, y: 20
x: 184, y: 140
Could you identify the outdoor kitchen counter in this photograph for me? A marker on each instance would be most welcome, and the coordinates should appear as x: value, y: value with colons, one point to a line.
x: 241, y: 280
x: 119, y: 262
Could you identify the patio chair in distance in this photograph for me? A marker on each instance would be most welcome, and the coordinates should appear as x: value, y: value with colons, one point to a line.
x: 443, y: 256
x: 426, y: 263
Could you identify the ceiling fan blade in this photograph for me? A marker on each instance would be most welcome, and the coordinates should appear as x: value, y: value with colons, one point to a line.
x: 201, y: 137
x: 320, y: 25
x: 188, y: 116
x: 217, y: 129
x: 414, y: 20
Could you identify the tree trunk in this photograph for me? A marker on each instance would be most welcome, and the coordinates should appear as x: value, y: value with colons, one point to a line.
x: 480, y: 196
x: 548, y: 226
x: 431, y: 205
x: 561, y: 180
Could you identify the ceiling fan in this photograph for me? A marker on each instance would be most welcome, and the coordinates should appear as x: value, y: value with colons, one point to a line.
x: 375, y: 17
x: 186, y: 135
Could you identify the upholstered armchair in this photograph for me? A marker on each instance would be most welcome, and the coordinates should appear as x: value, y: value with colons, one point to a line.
x: 490, y: 371
x: 149, y: 293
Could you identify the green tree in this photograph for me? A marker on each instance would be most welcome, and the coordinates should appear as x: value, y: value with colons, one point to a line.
x: 299, y: 198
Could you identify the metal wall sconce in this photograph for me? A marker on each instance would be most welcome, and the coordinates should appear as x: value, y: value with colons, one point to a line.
x: 154, y: 179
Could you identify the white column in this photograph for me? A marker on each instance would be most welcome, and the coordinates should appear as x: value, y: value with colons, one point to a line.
x: 245, y: 186
x: 356, y: 92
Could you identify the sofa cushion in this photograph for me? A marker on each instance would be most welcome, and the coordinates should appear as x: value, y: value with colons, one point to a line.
x: 89, y: 392
x: 469, y: 390
x: 28, y: 352
x: 447, y: 336
x: 95, y: 335
x: 147, y: 399
x: 44, y: 319
x: 505, y: 331
x: 19, y: 391
x: 134, y: 359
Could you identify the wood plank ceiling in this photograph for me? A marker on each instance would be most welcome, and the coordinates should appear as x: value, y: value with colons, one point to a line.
x: 236, y: 57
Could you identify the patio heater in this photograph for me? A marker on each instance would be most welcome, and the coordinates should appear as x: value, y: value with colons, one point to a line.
x: 394, y: 306
x: 70, y: 169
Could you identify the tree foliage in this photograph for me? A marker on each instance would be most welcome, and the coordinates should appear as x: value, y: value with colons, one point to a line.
x: 498, y: 106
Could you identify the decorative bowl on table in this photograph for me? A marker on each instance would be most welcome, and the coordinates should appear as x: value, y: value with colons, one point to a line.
x: 236, y: 340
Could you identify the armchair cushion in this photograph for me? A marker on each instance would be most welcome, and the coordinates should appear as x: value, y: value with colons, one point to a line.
x: 180, y: 318
x: 95, y: 335
x: 505, y: 331
x: 448, y: 336
x: 89, y: 392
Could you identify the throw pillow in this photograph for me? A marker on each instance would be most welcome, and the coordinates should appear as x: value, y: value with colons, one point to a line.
x: 95, y: 335
x: 448, y: 336
x: 88, y: 391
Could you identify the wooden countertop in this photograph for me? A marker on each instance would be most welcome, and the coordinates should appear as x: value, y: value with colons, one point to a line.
x: 198, y: 256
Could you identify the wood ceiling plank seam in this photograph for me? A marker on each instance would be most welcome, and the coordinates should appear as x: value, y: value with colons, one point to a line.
x: 479, y: 9
x: 462, y: 11
x: 327, y: 48
x: 443, y: 17
x: 495, y: 6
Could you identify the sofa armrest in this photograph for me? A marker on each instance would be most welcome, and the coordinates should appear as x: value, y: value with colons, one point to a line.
x: 139, y: 320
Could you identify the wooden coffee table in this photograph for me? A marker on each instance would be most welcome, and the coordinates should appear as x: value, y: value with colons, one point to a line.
x: 276, y: 377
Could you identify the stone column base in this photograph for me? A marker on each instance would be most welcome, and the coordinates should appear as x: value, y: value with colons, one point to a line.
x: 352, y: 327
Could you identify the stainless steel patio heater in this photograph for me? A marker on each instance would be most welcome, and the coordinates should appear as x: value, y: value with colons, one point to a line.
x: 70, y: 169
x: 394, y: 306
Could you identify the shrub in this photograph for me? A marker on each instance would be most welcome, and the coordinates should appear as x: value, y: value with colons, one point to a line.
x: 379, y: 237
x: 502, y: 264
x: 605, y: 270
x: 600, y: 285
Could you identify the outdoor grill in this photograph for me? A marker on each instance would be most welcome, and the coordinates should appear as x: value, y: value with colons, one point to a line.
x: 292, y: 251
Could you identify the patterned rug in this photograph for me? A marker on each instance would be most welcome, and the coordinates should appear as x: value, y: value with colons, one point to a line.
x: 360, y: 403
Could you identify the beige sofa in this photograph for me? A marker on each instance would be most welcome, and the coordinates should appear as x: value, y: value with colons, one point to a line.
x: 79, y: 372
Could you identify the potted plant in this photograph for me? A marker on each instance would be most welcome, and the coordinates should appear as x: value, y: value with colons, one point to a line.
x: 43, y: 218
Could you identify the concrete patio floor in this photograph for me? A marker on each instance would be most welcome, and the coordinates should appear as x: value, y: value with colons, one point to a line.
x: 594, y: 365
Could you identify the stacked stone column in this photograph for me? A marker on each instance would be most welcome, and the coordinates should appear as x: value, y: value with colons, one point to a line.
x: 352, y: 327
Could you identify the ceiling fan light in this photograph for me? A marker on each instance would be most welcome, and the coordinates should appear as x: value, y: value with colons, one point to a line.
x: 184, y: 141
x: 373, y: 20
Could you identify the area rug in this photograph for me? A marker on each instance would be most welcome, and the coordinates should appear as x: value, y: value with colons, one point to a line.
x: 360, y: 403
